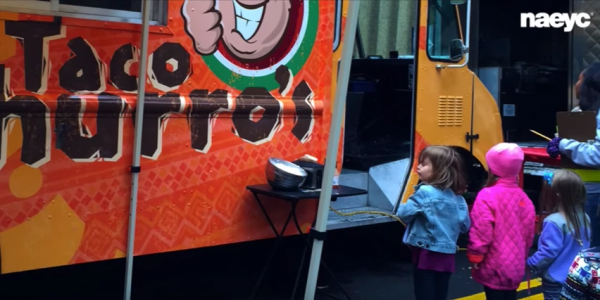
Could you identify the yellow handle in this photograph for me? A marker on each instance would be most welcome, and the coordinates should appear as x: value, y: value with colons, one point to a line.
x: 540, y: 135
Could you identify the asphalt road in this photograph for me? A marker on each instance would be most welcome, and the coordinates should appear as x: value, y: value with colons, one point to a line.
x: 370, y: 263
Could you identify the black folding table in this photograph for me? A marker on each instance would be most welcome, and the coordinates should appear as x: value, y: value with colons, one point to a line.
x: 294, y: 197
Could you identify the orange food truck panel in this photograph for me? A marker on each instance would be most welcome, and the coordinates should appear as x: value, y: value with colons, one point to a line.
x: 215, y: 111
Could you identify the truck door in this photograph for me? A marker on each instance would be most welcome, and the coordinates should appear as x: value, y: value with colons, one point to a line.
x: 444, y: 94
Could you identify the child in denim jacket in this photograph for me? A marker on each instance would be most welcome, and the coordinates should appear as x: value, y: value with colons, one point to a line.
x: 435, y: 216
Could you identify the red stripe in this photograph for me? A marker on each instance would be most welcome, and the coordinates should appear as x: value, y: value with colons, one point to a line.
x: 422, y: 37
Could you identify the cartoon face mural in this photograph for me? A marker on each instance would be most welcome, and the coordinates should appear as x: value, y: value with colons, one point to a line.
x: 244, y: 41
x: 244, y: 35
x: 250, y: 29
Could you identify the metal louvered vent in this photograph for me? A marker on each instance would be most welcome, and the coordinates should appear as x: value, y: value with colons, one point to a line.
x: 450, y: 111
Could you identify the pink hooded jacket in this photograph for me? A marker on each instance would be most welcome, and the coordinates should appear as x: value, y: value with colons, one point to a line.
x: 503, y: 223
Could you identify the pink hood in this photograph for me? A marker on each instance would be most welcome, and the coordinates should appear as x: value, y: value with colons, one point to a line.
x: 505, y: 160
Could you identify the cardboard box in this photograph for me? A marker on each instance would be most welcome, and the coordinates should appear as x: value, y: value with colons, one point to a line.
x: 579, y: 126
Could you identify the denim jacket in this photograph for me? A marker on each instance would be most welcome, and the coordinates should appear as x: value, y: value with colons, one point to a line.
x: 434, y: 219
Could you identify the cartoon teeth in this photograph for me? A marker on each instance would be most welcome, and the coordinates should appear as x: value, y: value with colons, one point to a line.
x: 247, y: 20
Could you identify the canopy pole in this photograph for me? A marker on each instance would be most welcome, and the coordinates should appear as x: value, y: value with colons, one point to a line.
x: 137, y: 145
x: 332, y: 145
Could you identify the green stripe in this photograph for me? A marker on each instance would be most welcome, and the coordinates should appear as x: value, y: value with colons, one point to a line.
x: 587, y: 175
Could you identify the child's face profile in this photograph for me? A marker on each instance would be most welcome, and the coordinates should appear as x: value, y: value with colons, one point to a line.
x: 424, y: 170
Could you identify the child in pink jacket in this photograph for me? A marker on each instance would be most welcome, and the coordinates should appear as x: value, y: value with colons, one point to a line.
x: 503, y: 221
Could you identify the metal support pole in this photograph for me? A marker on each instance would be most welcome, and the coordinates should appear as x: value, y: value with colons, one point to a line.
x: 137, y: 145
x: 332, y: 145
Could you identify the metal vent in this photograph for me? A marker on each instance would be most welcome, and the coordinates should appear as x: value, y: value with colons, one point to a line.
x: 450, y: 111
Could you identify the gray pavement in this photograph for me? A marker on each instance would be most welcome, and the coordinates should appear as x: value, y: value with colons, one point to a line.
x: 370, y: 262
x: 393, y: 280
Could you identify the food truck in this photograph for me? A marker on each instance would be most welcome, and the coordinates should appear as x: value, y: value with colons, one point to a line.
x: 227, y: 85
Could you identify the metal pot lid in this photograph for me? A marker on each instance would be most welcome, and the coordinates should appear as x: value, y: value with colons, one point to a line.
x: 288, y: 167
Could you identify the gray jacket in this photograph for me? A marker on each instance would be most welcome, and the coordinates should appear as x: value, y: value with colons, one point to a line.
x: 434, y: 219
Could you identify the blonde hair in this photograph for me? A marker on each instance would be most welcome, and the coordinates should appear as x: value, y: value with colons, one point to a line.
x: 566, y: 194
x: 491, y: 179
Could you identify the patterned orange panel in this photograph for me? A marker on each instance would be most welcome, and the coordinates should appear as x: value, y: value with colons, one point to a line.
x: 215, y: 111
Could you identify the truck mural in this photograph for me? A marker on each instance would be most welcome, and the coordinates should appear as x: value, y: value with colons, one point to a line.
x: 228, y: 85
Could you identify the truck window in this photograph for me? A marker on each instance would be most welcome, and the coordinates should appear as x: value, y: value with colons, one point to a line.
x: 442, y: 27
x: 129, y: 11
x: 387, y: 26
